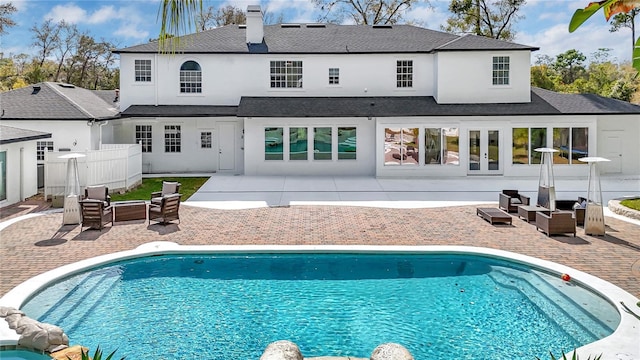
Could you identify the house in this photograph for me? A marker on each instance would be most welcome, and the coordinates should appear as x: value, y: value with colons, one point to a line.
x: 18, y: 163
x: 74, y: 116
x: 387, y: 101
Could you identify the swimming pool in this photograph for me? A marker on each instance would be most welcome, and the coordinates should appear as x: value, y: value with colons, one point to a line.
x: 233, y: 305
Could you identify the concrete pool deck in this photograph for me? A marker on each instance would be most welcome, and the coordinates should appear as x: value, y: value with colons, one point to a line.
x: 302, y: 211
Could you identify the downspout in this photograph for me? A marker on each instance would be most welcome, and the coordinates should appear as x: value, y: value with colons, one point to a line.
x: 21, y: 174
x: 102, y: 123
x: 156, y: 78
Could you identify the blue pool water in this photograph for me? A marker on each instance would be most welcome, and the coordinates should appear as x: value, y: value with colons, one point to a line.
x: 233, y: 306
x: 22, y: 355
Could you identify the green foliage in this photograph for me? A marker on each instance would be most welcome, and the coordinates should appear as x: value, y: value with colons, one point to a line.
x: 188, y: 186
x: 631, y: 204
x: 97, y: 355
x: 582, y: 15
x: 492, y: 19
x: 574, y: 357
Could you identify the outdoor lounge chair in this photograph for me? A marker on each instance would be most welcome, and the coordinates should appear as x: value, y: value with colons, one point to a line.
x: 95, y: 214
x: 166, y: 211
x: 555, y: 222
x: 167, y: 189
x: 98, y: 192
x: 509, y: 200
x: 578, y: 208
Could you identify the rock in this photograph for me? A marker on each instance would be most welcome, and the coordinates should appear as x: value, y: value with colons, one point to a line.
x: 13, y: 320
x: 23, y: 322
x: 391, y: 351
x: 282, y: 350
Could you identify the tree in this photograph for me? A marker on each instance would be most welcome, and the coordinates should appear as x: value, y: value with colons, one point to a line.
x: 490, y: 18
x: 626, y: 20
x: 610, y: 8
x: 367, y: 12
x: 569, y: 65
x: 227, y: 15
x: 45, y: 38
x: 177, y: 18
x: 5, y: 21
x: 68, y: 37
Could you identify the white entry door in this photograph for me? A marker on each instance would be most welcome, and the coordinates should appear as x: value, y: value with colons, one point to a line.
x: 485, y: 152
x: 226, y: 146
x: 612, y: 151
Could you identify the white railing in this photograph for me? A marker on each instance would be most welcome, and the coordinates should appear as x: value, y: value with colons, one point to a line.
x: 117, y: 166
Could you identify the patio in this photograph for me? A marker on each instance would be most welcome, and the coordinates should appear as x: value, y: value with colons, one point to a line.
x: 37, y: 244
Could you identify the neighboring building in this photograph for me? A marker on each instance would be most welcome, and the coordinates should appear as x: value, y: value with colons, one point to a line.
x: 18, y: 163
x: 75, y: 117
x: 392, y: 100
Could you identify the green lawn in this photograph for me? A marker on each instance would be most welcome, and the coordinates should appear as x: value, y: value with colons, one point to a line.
x: 631, y: 203
x: 189, y: 185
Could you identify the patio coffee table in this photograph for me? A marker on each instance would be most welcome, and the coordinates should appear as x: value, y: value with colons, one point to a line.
x: 528, y: 213
x: 129, y: 210
x: 493, y: 215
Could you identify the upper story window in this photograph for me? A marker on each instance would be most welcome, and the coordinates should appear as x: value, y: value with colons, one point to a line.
x: 190, y: 77
x: 286, y: 74
x: 404, y: 74
x: 334, y: 76
x: 500, y: 70
x: 143, y: 70
x: 144, y: 137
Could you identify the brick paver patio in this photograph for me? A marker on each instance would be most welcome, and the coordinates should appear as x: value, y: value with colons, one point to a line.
x: 32, y: 246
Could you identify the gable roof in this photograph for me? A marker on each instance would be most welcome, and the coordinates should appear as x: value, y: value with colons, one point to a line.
x: 585, y: 103
x: 55, y: 101
x: 329, y: 39
x: 9, y: 134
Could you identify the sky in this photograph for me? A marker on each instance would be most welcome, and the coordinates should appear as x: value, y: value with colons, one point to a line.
x: 131, y: 22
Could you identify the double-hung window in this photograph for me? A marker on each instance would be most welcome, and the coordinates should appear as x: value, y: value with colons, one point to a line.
x: 172, y: 141
x: 143, y: 70
x: 334, y: 76
x: 404, y: 73
x: 286, y: 74
x: 190, y: 78
x: 42, y: 147
x: 500, y: 70
x: 143, y: 137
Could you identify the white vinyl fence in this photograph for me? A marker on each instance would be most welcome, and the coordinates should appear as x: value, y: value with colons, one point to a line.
x: 117, y: 166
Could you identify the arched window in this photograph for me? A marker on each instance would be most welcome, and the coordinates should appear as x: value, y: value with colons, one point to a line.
x: 190, y: 77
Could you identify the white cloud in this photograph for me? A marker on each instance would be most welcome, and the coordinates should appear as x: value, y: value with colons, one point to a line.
x: 70, y: 13
x: 131, y: 31
x: 104, y: 14
x: 427, y: 16
x: 588, y: 39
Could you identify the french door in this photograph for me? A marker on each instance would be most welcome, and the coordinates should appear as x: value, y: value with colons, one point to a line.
x: 485, y: 152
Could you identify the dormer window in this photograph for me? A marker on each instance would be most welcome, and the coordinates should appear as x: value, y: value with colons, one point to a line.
x: 190, y: 77
x: 500, y: 70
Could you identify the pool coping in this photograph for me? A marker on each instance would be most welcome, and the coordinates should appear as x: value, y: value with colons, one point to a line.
x: 622, y: 344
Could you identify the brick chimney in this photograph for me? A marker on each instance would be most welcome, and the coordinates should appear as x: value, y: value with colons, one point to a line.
x: 255, y: 25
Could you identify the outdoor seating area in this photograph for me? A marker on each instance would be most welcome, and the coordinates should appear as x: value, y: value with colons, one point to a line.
x: 97, y: 210
x: 509, y: 200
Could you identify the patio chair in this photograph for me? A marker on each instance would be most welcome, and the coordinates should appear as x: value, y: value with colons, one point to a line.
x: 509, y: 200
x: 556, y: 222
x: 168, y: 187
x: 166, y: 211
x: 578, y: 208
x: 95, y: 214
x: 98, y: 192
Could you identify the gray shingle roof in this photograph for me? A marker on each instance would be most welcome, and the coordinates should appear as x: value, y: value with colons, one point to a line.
x: 55, y: 101
x: 329, y: 39
x: 9, y: 134
x: 585, y: 103
x: 542, y: 103
x: 179, y: 110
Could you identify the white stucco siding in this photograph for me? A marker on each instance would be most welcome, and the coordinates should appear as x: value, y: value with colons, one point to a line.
x: 618, y: 141
x: 65, y: 134
x: 21, y: 171
x: 254, y: 144
x: 465, y: 77
x: 227, y: 77
x: 192, y: 157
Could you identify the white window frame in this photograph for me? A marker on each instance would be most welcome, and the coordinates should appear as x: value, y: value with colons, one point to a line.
x: 334, y: 76
x: 172, y: 139
x: 41, y: 146
x: 142, y: 69
x: 286, y: 74
x: 404, y: 74
x: 147, y: 139
x: 500, y: 70
x: 191, y: 80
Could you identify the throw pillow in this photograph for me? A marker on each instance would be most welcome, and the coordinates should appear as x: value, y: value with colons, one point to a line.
x: 516, y: 201
x: 96, y: 192
x: 169, y: 188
